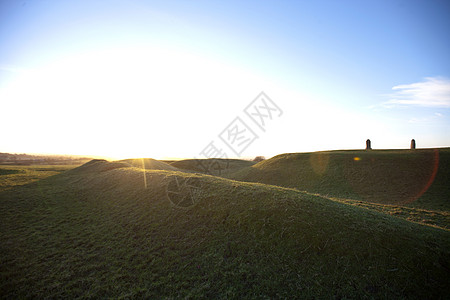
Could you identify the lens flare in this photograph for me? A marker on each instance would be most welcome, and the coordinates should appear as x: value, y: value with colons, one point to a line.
x: 319, y: 162
x: 145, y: 174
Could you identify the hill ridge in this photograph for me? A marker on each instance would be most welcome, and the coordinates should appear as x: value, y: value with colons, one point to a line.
x: 417, y: 177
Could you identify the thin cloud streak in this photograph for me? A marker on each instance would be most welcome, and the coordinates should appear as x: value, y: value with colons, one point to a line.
x: 432, y: 92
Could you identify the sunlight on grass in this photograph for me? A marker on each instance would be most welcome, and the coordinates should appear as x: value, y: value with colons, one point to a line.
x: 97, y: 231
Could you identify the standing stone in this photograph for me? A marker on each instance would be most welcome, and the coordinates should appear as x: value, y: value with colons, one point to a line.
x: 368, y: 145
x: 413, y: 144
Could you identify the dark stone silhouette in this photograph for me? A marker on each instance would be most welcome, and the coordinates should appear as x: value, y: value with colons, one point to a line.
x: 413, y: 144
x: 368, y: 145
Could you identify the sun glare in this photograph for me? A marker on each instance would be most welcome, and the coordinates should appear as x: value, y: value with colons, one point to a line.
x: 125, y: 94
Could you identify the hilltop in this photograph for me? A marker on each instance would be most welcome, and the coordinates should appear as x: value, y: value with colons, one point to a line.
x: 149, y: 164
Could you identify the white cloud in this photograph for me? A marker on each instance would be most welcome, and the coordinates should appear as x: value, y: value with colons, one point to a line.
x: 432, y: 92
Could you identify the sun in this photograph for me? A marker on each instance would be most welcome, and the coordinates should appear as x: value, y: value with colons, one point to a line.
x: 120, y: 102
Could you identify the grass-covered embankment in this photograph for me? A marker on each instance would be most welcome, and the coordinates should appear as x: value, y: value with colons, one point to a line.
x: 215, y: 166
x: 416, y: 178
x: 111, y: 231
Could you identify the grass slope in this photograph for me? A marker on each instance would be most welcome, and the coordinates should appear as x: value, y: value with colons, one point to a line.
x: 149, y: 164
x: 103, y: 233
x: 216, y: 166
x: 397, y: 177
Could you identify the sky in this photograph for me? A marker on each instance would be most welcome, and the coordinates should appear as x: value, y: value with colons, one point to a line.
x: 183, y: 79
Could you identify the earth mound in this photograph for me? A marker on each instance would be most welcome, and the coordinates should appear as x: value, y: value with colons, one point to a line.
x: 382, y: 176
x: 214, y: 166
x: 149, y: 164
x: 98, y: 165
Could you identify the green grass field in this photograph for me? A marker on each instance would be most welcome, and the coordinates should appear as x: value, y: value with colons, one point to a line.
x: 115, y: 230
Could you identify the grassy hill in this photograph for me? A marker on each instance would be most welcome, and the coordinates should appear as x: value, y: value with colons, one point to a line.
x: 216, y: 166
x: 149, y: 164
x: 418, y: 178
x: 112, y: 230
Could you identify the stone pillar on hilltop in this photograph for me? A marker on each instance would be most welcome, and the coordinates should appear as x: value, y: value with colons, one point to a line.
x: 368, y: 145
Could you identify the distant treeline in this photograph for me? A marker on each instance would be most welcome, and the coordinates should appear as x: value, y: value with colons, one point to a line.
x: 26, y: 159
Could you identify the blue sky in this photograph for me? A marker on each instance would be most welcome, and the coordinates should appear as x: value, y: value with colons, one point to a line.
x: 164, y: 78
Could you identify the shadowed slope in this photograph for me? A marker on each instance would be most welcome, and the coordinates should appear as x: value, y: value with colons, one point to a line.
x: 106, y: 234
x: 382, y: 176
